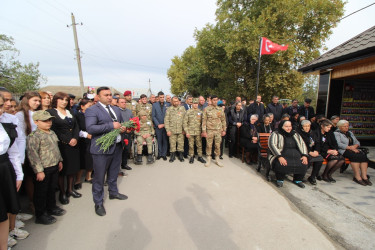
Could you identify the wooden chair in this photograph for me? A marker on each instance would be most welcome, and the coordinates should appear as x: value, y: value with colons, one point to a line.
x: 262, y: 154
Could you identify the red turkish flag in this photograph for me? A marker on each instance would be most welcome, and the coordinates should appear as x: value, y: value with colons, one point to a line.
x: 269, y: 47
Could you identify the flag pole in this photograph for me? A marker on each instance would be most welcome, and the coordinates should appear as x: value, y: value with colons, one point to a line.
x: 260, y: 53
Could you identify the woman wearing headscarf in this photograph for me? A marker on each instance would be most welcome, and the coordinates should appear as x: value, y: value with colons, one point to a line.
x: 265, y: 126
x: 288, y: 154
x: 312, y: 141
x: 236, y: 117
x: 249, y: 139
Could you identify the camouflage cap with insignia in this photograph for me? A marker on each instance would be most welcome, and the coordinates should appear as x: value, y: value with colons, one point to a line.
x: 142, y: 113
x: 195, y: 100
x: 42, y: 115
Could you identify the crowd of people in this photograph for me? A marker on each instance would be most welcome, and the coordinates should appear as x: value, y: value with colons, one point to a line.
x: 48, y: 144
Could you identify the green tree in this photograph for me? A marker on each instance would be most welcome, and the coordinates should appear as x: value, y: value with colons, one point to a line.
x: 228, y: 51
x: 15, y: 76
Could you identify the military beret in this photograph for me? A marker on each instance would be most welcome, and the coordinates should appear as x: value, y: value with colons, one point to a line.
x: 42, y: 115
x: 128, y: 92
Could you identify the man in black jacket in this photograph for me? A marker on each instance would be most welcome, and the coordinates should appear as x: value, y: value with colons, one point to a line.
x: 275, y: 108
x: 306, y: 110
x: 256, y: 108
x: 294, y: 108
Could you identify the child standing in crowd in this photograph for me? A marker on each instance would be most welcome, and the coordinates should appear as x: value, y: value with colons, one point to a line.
x: 46, y: 162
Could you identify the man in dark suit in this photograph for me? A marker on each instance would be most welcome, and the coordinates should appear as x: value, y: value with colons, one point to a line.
x: 294, y: 108
x: 101, y: 118
x: 307, y: 111
x: 158, y: 113
x: 256, y: 108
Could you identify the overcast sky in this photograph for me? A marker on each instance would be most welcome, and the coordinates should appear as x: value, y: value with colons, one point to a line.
x: 123, y: 43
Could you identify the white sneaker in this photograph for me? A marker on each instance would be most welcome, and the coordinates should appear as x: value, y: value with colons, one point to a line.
x: 24, y: 217
x: 19, y: 224
x: 19, y: 234
x: 11, y: 242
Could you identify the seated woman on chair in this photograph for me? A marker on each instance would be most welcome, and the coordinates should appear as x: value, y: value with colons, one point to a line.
x: 348, y: 147
x: 288, y: 154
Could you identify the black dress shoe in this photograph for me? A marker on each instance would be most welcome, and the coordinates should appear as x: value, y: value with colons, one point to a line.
x: 164, y: 158
x: 126, y: 167
x: 158, y: 158
x: 200, y: 159
x: 299, y: 183
x: 45, y: 219
x: 63, y: 199
x: 78, y: 186
x: 331, y: 179
x: 319, y: 178
x: 312, y: 180
x: 56, y: 211
x: 74, y: 194
x: 118, y: 197
x: 220, y: 157
x: 191, y: 161
x: 100, y: 210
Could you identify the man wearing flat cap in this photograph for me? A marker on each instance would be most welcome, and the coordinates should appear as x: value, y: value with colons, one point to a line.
x: 307, y: 111
x: 130, y: 104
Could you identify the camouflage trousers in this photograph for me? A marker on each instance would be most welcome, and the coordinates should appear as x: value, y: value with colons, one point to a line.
x: 198, y: 141
x: 140, y: 141
x: 211, y: 135
x: 176, y: 138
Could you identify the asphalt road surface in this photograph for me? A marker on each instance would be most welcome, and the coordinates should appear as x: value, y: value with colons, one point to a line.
x: 183, y: 206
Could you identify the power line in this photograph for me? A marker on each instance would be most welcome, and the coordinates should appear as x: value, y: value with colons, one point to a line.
x: 357, y: 11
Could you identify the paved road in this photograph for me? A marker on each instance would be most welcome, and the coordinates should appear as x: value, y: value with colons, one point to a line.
x: 183, y: 206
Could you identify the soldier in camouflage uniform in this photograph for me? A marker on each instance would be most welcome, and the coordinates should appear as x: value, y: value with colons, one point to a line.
x: 173, y: 124
x: 145, y: 133
x: 130, y: 104
x: 193, y: 129
x: 143, y: 105
x: 214, y: 126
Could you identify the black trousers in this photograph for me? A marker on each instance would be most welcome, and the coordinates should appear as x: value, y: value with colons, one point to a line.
x: 44, y: 191
x: 232, y: 140
x: 126, y: 150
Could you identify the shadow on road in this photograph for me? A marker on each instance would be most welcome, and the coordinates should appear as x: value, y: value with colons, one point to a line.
x: 206, y: 228
x: 132, y: 235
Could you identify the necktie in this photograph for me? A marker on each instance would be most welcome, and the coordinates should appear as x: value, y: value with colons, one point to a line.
x: 111, y: 114
x: 307, y: 114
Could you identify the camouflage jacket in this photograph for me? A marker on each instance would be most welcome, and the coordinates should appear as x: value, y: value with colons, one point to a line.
x: 132, y: 105
x: 146, y: 107
x: 193, y: 122
x: 43, y: 150
x: 174, y: 118
x: 145, y: 128
x: 214, y: 119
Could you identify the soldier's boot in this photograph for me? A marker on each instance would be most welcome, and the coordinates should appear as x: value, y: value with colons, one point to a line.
x: 181, y: 156
x: 207, y: 164
x: 200, y: 158
x: 150, y: 159
x: 173, y: 157
x: 219, y: 163
x: 191, y: 161
x: 139, y: 159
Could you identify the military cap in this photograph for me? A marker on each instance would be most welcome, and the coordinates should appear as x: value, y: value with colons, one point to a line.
x: 128, y: 92
x: 142, y: 113
x: 195, y: 100
x: 42, y: 115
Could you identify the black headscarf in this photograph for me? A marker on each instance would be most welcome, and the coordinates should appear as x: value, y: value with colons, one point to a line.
x: 282, y: 131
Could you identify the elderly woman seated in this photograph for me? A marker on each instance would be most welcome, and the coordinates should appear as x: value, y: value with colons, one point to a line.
x: 348, y: 147
x: 288, y: 154
x: 249, y: 139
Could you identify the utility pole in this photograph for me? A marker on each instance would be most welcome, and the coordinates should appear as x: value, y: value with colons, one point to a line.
x: 149, y: 92
x: 78, y: 54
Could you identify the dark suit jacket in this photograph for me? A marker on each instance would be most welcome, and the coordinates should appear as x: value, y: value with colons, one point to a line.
x: 99, y: 122
x: 256, y: 108
x: 64, y: 131
x: 186, y: 106
x: 158, y: 113
x: 302, y: 112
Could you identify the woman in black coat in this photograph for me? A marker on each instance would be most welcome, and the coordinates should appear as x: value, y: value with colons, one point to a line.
x: 65, y: 126
x: 84, y: 144
x: 329, y: 151
x: 249, y: 139
x: 313, y: 144
x: 236, y: 117
x: 266, y: 125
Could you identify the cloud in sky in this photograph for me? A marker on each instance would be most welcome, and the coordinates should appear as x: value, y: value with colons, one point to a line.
x: 123, y: 43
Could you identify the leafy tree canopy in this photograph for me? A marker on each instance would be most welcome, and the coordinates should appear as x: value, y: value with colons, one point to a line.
x: 225, y: 58
x: 15, y: 76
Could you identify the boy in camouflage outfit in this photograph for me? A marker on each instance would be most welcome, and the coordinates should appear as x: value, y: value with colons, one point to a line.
x: 145, y: 133
x: 193, y: 129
